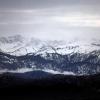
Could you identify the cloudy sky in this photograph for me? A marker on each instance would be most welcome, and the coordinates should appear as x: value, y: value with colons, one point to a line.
x: 50, y: 19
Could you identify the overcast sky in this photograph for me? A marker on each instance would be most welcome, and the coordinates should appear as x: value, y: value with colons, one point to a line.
x: 50, y: 19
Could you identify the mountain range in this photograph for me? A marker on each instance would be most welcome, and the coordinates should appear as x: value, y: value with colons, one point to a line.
x: 74, y: 57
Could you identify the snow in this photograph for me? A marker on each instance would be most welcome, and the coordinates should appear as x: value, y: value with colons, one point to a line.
x: 37, y: 46
x: 99, y: 56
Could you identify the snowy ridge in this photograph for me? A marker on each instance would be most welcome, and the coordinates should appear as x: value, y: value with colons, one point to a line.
x: 18, y: 45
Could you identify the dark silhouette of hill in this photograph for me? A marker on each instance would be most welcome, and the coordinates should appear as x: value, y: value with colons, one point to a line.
x: 52, y: 87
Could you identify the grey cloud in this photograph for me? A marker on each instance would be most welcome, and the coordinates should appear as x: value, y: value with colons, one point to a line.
x: 35, y: 17
x: 30, y: 4
x: 26, y: 4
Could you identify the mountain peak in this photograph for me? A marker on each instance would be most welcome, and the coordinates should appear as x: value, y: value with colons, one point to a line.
x: 19, y: 45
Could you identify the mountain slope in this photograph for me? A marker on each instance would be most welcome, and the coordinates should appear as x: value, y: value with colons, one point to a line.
x: 18, y: 45
x: 79, y: 64
x: 78, y: 57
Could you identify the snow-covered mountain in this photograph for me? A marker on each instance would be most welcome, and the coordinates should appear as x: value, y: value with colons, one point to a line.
x: 75, y: 57
x: 18, y: 45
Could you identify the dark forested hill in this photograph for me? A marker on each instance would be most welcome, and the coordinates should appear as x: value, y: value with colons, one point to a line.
x: 51, y: 87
